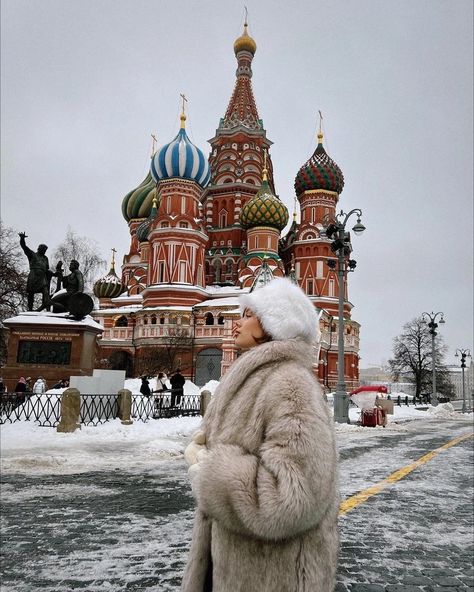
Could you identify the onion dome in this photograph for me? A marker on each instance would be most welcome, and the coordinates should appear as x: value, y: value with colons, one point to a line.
x: 143, y: 229
x: 319, y: 172
x: 110, y: 286
x: 138, y: 202
x: 180, y: 158
x: 245, y: 42
x: 264, y: 209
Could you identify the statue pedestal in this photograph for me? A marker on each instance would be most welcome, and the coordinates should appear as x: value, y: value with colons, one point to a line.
x: 49, y: 345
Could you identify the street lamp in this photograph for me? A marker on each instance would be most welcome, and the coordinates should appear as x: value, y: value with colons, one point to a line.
x: 341, y: 246
x: 433, y: 325
x: 465, y: 353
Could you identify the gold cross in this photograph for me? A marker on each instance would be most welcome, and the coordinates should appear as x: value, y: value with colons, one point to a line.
x: 184, y: 100
x: 320, y: 120
x: 113, y: 257
x: 153, y: 144
x: 246, y: 16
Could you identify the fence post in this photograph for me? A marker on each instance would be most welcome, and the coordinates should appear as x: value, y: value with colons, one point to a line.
x: 204, y: 402
x: 125, y: 406
x: 70, y: 411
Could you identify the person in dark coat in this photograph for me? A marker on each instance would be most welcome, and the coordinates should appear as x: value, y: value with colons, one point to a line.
x: 145, y: 387
x: 177, y: 387
x: 20, y: 389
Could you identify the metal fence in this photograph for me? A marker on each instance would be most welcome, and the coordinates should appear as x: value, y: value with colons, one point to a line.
x: 161, y: 405
x: 95, y: 409
x: 44, y: 409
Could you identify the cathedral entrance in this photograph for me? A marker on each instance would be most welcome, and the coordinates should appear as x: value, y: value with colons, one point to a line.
x: 121, y: 360
x: 208, y: 365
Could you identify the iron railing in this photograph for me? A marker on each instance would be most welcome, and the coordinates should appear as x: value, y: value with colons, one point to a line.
x: 96, y: 409
x: 167, y: 404
x: 44, y: 409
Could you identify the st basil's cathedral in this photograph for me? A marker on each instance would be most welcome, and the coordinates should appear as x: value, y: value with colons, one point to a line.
x: 202, y: 231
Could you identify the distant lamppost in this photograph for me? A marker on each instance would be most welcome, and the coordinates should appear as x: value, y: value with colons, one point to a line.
x: 433, y: 325
x: 464, y: 353
x: 341, y: 246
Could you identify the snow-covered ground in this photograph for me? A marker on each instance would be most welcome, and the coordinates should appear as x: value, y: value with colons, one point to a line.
x: 27, y: 447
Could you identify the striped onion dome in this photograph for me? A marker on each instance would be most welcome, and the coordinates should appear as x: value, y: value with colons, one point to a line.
x: 319, y: 172
x: 138, y: 202
x: 264, y: 209
x: 180, y: 158
x: 143, y: 230
x: 110, y: 286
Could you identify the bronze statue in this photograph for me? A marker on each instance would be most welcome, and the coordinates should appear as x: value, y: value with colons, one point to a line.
x: 39, y: 276
x: 73, y: 300
x: 74, y: 282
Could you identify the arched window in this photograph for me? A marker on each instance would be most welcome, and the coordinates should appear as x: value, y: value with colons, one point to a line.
x: 209, y: 318
x: 217, y: 270
x: 223, y: 219
x: 153, y: 320
x: 145, y: 320
x: 228, y: 266
x: 121, y: 322
x: 162, y: 320
x: 220, y: 320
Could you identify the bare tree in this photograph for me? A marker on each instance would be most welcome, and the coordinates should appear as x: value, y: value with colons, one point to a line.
x: 83, y: 250
x: 412, y: 359
x: 13, y: 276
x: 165, y: 355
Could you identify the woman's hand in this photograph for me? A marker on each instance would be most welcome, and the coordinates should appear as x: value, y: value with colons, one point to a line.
x: 197, y: 445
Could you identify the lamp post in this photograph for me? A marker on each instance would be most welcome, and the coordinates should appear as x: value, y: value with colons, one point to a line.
x: 433, y: 325
x: 464, y: 353
x: 341, y: 247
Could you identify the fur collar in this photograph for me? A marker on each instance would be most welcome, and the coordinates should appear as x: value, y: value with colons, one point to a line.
x: 266, y: 355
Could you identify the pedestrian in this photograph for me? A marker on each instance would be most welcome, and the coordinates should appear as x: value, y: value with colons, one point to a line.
x: 3, y: 387
x: 40, y: 386
x: 20, y: 389
x: 21, y: 385
x: 264, y: 465
x: 161, y: 385
x: 28, y: 384
x: 177, y: 387
x: 145, y: 387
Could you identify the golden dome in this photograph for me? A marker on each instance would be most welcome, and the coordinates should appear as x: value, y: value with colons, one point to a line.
x: 245, y: 43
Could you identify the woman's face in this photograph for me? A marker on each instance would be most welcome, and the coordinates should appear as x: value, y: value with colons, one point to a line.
x: 248, y: 331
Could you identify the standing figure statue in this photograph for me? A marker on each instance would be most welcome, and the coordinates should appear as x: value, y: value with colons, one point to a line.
x: 39, y: 276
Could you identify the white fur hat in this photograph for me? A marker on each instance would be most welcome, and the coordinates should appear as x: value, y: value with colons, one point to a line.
x: 284, y: 311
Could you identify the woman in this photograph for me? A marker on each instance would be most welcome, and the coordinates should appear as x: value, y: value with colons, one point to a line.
x: 145, y: 387
x: 264, y: 467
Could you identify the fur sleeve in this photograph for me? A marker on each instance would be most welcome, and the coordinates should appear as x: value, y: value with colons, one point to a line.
x: 287, y: 487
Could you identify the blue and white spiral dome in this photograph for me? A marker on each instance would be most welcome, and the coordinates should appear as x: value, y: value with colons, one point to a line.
x: 180, y: 158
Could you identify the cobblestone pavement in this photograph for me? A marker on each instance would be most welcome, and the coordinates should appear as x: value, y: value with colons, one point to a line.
x: 130, y: 531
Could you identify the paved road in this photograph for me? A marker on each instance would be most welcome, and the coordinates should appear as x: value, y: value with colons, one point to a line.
x: 130, y: 531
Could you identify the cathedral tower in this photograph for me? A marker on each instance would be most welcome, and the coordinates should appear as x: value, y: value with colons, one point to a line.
x: 236, y: 161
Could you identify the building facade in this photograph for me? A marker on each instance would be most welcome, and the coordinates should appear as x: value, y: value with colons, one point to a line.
x: 202, y: 231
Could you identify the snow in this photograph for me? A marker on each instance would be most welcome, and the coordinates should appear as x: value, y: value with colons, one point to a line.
x: 49, y: 318
x: 27, y: 447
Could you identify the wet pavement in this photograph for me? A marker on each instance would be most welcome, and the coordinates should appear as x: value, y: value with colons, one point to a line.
x: 124, y: 531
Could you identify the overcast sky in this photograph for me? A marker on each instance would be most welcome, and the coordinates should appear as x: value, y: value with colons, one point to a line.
x: 85, y: 83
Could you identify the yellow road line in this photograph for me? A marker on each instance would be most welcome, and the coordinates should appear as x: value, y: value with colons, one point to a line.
x: 359, y: 498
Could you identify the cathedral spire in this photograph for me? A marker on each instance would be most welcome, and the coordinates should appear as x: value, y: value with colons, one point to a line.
x: 242, y: 109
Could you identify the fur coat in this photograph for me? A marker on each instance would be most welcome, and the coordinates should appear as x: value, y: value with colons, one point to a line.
x: 267, y: 492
